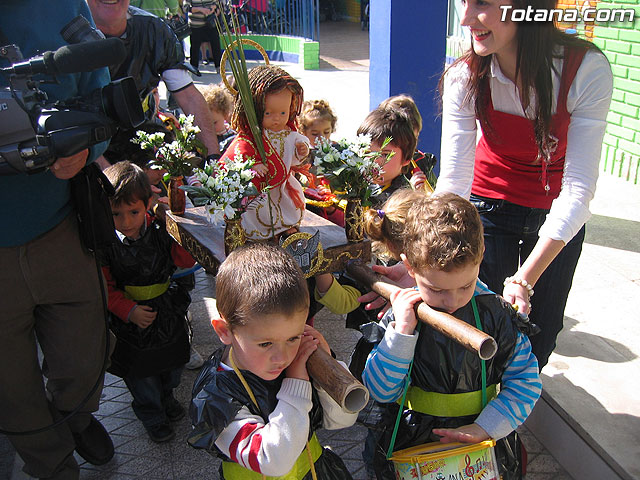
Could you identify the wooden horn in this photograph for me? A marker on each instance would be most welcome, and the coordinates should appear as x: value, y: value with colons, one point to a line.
x: 337, y: 381
x: 466, y: 335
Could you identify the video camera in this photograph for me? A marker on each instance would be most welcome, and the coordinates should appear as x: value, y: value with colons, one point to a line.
x: 33, y: 133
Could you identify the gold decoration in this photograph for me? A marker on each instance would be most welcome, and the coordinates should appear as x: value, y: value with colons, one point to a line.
x: 354, y: 220
x: 318, y: 263
x: 225, y: 54
x: 234, y: 234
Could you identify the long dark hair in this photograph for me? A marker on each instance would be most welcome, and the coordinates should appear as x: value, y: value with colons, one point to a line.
x: 534, y: 67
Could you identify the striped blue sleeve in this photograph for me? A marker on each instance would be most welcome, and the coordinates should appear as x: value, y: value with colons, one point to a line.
x: 520, y: 389
x: 387, y: 365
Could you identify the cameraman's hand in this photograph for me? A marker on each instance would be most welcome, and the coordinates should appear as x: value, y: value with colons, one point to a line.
x: 66, y: 167
x: 143, y: 316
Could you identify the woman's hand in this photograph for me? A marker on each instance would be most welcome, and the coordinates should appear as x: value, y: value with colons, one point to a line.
x: 466, y: 434
x: 518, y: 296
x: 397, y: 274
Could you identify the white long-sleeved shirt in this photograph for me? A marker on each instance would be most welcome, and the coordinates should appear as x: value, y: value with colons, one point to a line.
x: 272, y: 448
x: 588, y: 102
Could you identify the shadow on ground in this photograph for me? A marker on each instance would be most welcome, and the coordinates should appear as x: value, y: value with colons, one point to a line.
x: 613, y: 233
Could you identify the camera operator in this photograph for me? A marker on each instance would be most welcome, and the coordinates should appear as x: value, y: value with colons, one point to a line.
x: 153, y: 54
x: 49, y: 288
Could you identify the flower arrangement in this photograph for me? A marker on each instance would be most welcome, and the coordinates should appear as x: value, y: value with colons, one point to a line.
x: 226, y: 187
x: 178, y: 156
x: 349, y: 166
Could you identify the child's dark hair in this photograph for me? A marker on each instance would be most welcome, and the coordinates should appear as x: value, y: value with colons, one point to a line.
x: 442, y: 232
x: 259, y: 279
x: 263, y: 80
x: 313, y: 110
x: 406, y: 104
x: 390, y: 122
x: 385, y: 226
x: 130, y: 183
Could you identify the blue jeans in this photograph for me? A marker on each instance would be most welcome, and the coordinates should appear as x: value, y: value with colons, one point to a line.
x: 510, y: 233
x: 152, y: 395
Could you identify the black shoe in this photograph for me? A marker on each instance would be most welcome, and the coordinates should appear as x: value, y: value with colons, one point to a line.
x: 94, y: 443
x: 174, y: 411
x: 160, y: 433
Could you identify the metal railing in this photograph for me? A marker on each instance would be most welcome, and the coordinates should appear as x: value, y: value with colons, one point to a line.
x: 298, y: 18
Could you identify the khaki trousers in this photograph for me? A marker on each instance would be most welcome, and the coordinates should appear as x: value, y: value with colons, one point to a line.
x: 49, y: 291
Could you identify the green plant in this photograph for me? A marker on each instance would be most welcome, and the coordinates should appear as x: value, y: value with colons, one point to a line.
x: 177, y: 157
x: 226, y: 187
x: 349, y: 166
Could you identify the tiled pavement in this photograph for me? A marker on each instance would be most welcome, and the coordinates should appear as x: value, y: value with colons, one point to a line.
x: 344, y: 50
x: 138, y: 457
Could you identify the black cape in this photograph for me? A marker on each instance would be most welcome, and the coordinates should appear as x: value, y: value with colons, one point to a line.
x: 165, y: 343
x: 218, y: 396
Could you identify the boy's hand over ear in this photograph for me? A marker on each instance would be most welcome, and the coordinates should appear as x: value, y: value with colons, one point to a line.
x: 322, y: 343
x: 298, y: 368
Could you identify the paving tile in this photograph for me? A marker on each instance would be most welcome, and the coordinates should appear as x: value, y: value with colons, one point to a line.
x: 206, y: 472
x: 111, y: 392
x: 162, y: 471
x: 141, y: 446
x: 119, y: 440
x: 112, y: 423
x: 133, y: 428
x: 138, y: 466
x: 109, y: 408
x: 530, y: 442
x: 544, y: 463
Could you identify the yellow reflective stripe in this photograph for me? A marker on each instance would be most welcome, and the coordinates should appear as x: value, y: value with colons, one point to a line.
x: 145, y: 103
x: 234, y: 471
x: 447, y: 404
x: 145, y: 292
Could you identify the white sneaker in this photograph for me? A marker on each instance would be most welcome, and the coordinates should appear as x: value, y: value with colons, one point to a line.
x: 195, y: 360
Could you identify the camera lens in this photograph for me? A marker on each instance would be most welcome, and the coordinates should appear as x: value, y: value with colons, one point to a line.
x: 80, y: 30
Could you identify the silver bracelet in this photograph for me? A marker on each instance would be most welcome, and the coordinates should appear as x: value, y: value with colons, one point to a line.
x: 519, y: 281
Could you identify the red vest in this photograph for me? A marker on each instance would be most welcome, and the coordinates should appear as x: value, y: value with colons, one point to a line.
x: 507, y: 165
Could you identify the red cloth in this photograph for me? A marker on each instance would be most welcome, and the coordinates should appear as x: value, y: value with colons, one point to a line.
x: 277, y: 172
x: 507, y: 165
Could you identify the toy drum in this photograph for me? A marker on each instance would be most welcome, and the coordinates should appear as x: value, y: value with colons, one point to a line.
x: 445, y: 461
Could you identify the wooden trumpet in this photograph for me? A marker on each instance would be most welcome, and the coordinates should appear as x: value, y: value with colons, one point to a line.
x: 337, y: 381
x: 326, y: 372
x: 469, y: 337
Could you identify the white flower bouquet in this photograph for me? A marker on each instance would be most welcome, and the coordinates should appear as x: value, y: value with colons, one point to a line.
x: 226, y: 187
x: 349, y: 166
x: 177, y: 157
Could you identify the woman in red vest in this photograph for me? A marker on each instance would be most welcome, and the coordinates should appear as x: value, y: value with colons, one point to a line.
x: 541, y: 99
